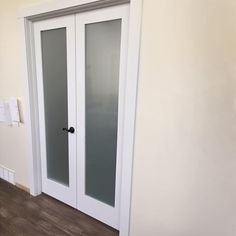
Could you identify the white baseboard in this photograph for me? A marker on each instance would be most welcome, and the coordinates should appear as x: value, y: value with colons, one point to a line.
x: 7, y: 174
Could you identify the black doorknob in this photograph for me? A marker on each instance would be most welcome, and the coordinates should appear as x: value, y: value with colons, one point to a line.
x: 70, y: 130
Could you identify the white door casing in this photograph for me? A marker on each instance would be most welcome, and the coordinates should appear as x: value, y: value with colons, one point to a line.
x: 27, y: 17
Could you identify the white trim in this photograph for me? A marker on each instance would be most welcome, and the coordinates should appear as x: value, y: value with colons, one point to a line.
x: 51, y: 6
x: 65, y: 7
x: 135, y: 21
x: 32, y: 124
x: 31, y: 94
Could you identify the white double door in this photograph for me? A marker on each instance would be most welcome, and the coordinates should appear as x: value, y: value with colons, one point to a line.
x: 80, y: 67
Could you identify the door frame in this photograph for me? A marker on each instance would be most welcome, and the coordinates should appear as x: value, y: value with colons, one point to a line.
x: 56, y: 8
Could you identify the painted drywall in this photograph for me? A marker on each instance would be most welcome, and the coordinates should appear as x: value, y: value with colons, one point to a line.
x: 185, y: 151
x: 13, y: 142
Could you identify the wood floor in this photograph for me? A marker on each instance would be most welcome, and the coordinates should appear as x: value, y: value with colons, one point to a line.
x: 23, y: 215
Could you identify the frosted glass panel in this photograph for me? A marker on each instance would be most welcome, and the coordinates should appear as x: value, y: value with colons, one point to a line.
x: 55, y: 102
x: 101, y: 88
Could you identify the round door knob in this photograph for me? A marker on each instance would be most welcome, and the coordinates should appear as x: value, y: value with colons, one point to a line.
x: 70, y: 130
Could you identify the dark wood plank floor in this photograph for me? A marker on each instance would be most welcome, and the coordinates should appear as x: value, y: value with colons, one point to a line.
x: 23, y: 215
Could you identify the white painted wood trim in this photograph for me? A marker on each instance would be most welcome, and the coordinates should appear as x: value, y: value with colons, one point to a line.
x: 31, y: 117
x: 65, y: 7
x: 31, y: 94
x: 51, y: 6
x: 135, y: 21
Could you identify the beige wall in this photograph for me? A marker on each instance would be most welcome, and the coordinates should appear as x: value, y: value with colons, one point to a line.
x: 185, y: 156
x: 185, y: 152
x: 13, y: 143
